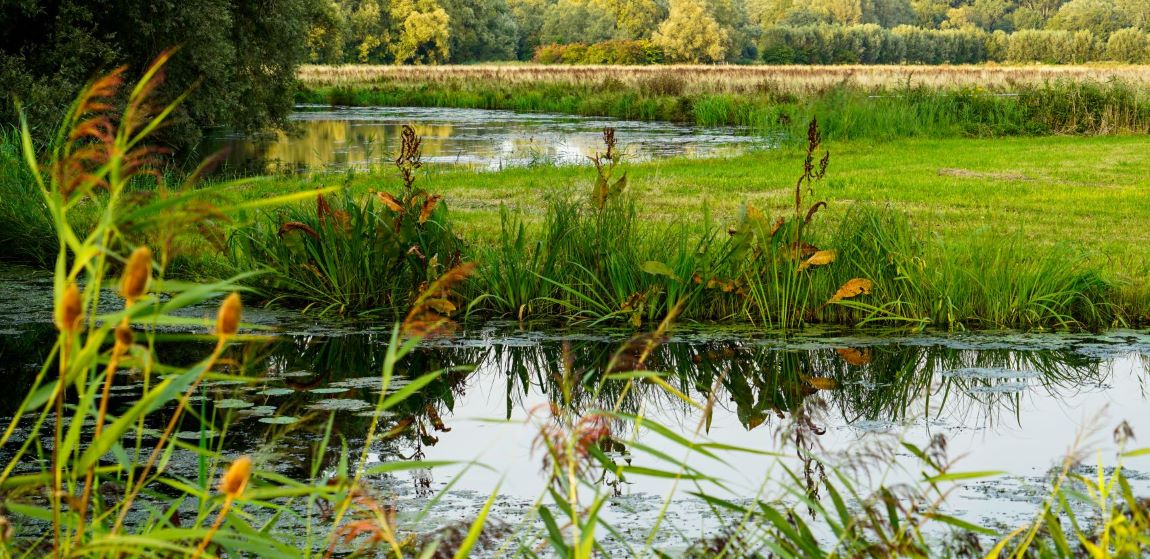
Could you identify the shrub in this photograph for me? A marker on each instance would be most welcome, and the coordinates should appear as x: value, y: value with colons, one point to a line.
x: 1128, y: 45
x: 624, y: 52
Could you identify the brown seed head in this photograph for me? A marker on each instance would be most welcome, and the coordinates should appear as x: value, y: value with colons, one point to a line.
x: 137, y: 274
x: 70, y: 310
x: 124, y: 335
x: 235, y: 480
x: 228, y: 320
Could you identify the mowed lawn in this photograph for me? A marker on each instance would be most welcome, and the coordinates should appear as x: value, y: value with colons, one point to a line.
x: 1092, y: 193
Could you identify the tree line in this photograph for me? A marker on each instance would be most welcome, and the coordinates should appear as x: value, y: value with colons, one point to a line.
x: 710, y: 31
x: 241, y: 57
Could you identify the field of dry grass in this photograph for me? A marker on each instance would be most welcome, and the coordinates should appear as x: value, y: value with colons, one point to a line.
x: 730, y: 79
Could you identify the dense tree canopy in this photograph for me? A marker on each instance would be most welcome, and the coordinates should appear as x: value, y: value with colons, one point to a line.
x: 241, y: 55
x: 684, y: 30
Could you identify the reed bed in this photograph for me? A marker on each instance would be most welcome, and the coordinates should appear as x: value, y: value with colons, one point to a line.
x: 691, y: 79
x: 853, y: 102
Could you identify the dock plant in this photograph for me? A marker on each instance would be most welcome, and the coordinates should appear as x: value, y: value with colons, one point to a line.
x: 348, y: 255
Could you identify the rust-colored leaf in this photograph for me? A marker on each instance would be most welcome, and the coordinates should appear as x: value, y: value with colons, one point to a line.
x: 322, y: 209
x: 820, y: 258
x: 778, y: 225
x: 390, y: 201
x: 430, y: 312
x: 297, y: 226
x: 802, y: 250
x: 853, y: 356
x: 822, y: 383
x: 814, y: 209
x: 442, y: 306
x: 853, y: 288
x: 600, y: 192
x: 428, y: 207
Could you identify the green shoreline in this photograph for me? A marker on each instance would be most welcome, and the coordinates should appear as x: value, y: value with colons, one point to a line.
x: 1072, y: 202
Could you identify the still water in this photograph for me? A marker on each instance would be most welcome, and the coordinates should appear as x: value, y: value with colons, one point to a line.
x: 328, y: 138
x: 1005, y: 401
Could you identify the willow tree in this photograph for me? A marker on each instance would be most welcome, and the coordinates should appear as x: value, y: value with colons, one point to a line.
x: 691, y: 34
x: 422, y: 33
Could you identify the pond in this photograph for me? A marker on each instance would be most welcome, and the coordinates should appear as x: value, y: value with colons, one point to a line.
x: 1005, y: 401
x: 327, y: 138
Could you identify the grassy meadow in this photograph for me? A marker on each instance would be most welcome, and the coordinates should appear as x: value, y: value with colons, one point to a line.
x: 1036, y: 194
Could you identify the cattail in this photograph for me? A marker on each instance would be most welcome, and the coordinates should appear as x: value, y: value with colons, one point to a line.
x: 137, y: 274
x: 235, y: 480
x: 228, y: 320
x: 71, y: 309
x: 124, y: 335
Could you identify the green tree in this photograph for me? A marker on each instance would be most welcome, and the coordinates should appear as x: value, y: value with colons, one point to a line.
x: 423, y: 32
x: 766, y: 13
x: 481, y: 30
x: 930, y: 14
x: 634, y: 19
x: 577, y: 21
x: 368, y: 31
x: 1098, y: 16
x: 843, y: 12
x: 887, y: 13
x: 691, y: 34
x: 326, y: 35
x: 1136, y: 11
x: 1128, y: 45
x: 989, y: 15
x: 243, y: 55
x: 529, y: 16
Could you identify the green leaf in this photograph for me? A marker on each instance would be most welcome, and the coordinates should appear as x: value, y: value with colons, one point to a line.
x: 656, y: 268
x: 476, y: 527
x: 554, y: 535
x: 958, y: 476
x: 961, y: 524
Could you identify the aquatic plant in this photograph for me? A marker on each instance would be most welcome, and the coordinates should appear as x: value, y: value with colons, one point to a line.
x: 346, y: 255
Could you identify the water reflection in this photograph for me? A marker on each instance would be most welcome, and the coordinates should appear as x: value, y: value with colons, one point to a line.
x: 341, y: 138
x: 1008, y: 403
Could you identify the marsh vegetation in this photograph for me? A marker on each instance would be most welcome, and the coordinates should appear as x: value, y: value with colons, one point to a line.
x: 905, y: 319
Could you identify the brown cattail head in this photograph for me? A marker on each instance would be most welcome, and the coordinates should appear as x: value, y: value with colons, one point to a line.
x: 70, y: 311
x: 228, y: 320
x: 235, y: 480
x: 124, y: 336
x: 137, y: 274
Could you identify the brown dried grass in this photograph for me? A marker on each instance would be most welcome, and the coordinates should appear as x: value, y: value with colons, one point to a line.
x: 728, y: 78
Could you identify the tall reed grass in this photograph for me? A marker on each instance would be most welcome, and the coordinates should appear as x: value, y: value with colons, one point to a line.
x: 947, y: 102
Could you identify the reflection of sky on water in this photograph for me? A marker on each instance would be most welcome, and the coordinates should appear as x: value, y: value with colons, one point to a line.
x: 335, y: 139
x: 1005, y: 401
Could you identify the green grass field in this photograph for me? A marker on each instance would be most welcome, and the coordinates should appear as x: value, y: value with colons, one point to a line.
x: 1092, y: 193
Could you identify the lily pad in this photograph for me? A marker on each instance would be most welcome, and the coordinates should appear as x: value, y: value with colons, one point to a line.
x: 233, y: 404
x: 339, y: 404
x: 328, y: 390
x: 279, y: 420
x: 275, y: 392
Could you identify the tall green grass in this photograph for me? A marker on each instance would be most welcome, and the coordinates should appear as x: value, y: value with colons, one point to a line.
x: 847, y: 112
x: 595, y: 260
